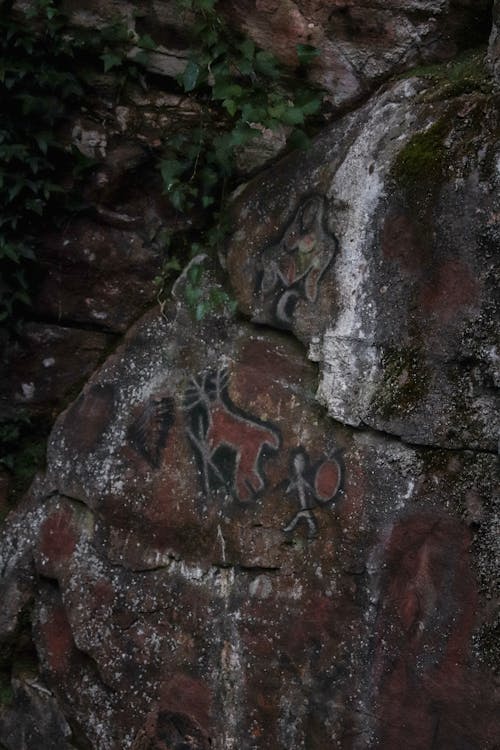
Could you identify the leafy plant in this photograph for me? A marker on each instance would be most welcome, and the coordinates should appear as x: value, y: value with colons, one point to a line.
x: 22, y: 452
x: 44, y: 75
x: 44, y: 66
x: 242, y: 92
x: 36, y: 85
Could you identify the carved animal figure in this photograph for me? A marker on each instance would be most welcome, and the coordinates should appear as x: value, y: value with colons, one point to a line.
x: 247, y: 439
x: 149, y: 431
x: 215, y: 423
x: 293, y: 267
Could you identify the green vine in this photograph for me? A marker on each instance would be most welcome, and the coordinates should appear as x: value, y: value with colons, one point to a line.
x: 242, y: 93
x: 46, y: 70
x: 36, y: 86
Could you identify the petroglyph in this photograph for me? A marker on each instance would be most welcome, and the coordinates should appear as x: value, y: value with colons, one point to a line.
x: 314, y: 485
x: 231, y: 446
x: 293, y: 267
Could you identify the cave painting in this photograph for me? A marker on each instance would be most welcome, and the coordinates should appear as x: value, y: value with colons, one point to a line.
x: 231, y: 446
x: 293, y: 267
x: 150, y: 428
x: 313, y: 484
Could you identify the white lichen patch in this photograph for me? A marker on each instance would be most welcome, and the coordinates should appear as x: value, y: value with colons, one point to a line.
x: 348, y: 353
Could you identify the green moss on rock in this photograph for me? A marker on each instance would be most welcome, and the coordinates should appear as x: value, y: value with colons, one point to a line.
x: 467, y: 73
x: 405, y: 382
x: 422, y: 160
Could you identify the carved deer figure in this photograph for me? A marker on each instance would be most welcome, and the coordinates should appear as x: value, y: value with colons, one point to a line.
x: 215, y: 423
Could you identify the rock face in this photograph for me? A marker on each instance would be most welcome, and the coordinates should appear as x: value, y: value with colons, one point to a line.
x: 399, y: 190
x: 494, y: 44
x: 278, y: 530
x: 207, y: 545
x: 359, y: 44
x: 362, y: 44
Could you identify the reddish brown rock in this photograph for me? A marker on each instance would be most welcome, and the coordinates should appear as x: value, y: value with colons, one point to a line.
x: 46, y: 363
x: 97, y: 274
x: 376, y: 248
x: 423, y: 676
x: 282, y: 581
x: 358, y: 45
x: 361, y: 45
x: 210, y: 561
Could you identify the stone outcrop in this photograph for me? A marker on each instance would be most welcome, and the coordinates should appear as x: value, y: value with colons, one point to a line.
x: 494, y: 44
x: 359, y: 45
x: 405, y: 188
x: 362, y: 44
x: 280, y: 529
x: 208, y: 545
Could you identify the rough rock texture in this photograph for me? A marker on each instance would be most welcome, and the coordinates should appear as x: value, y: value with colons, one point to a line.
x: 494, y: 44
x: 46, y: 363
x: 382, y: 258
x: 279, y: 530
x: 208, y: 547
x: 360, y: 44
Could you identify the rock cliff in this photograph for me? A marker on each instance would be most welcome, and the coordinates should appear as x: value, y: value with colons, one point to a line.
x: 277, y: 529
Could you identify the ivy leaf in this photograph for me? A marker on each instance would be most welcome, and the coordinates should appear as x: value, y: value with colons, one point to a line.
x: 9, y: 251
x: 230, y: 106
x: 194, y: 274
x: 306, y: 53
x: 224, y: 89
x: 178, y: 199
x: 265, y: 63
x: 293, y: 116
x: 242, y: 134
x: 170, y: 170
x: 146, y: 42
x: 298, y: 139
x: 201, y: 310
x: 278, y: 110
x: 247, y: 48
x: 310, y: 106
x: 43, y: 139
x: 110, y: 60
x: 190, y: 76
x: 193, y: 294
x: 253, y: 113
x: 246, y: 68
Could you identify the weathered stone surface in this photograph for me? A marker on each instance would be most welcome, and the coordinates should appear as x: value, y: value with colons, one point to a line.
x: 378, y: 248
x: 210, y: 560
x: 359, y: 44
x: 494, y: 43
x: 45, y: 364
x: 209, y: 547
x: 34, y: 719
x: 97, y: 274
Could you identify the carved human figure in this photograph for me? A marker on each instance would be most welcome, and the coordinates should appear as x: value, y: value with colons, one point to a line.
x: 293, y: 267
x: 314, y: 485
x: 301, y: 486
